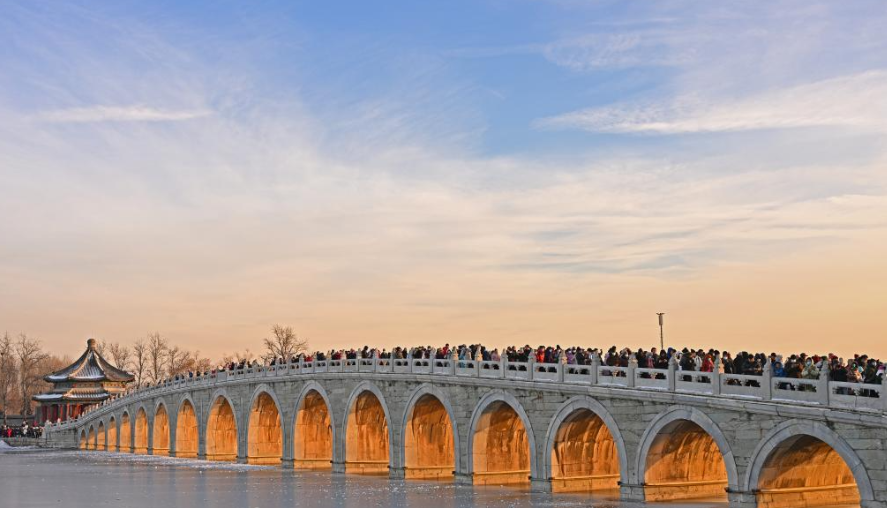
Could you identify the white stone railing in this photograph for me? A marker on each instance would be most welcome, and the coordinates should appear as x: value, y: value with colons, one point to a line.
x: 765, y: 387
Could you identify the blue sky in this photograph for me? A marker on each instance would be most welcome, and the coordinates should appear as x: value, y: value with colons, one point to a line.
x: 228, y: 165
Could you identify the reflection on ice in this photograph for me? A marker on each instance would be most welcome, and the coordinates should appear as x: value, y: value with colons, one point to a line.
x: 39, y: 478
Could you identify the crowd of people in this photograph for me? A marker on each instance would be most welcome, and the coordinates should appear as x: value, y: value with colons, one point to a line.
x: 24, y: 430
x: 858, y: 369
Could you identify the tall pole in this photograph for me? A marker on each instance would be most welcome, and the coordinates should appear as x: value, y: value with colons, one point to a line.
x: 661, y: 332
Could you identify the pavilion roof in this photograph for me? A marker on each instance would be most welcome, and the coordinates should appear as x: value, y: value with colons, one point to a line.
x: 89, y: 367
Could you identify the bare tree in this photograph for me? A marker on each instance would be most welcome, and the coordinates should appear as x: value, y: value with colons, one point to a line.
x: 29, y: 355
x: 283, y: 344
x: 245, y: 356
x: 139, y: 362
x: 8, y: 374
x: 202, y: 364
x: 178, y: 361
x: 158, y: 350
x: 119, y: 355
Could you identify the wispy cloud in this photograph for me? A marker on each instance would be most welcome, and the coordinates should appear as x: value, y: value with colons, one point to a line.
x: 95, y: 114
x: 856, y: 101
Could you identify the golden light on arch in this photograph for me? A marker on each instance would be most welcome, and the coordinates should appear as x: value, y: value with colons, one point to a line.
x: 501, y: 447
x: 112, y: 435
x: 265, y: 434
x: 221, y: 432
x: 684, y: 462
x: 313, y: 433
x: 125, y: 433
x: 429, y: 448
x: 366, y: 436
x: 140, y: 443
x: 160, y: 437
x: 804, y: 471
x: 186, y: 431
x: 584, y: 455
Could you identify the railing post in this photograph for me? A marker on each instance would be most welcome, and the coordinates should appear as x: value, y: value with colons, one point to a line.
x: 632, y: 370
x: 822, y: 388
x: 767, y: 381
x: 595, y: 367
x: 672, y: 372
x: 531, y: 366
x: 454, y: 359
x: 410, y: 359
x: 561, y: 366
x: 503, y: 364
x: 716, y: 377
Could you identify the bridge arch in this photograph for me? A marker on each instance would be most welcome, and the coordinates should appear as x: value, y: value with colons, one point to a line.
x: 264, y: 427
x: 187, y: 429
x: 84, y: 443
x: 140, y: 434
x: 125, y: 432
x: 221, y: 429
x: 499, y: 422
x: 368, y: 434
x: 313, y: 431
x: 160, y: 430
x: 113, y: 443
x: 101, y: 437
x: 805, y: 463
x: 430, y: 447
x: 583, y: 442
x: 683, y: 454
x: 91, y: 439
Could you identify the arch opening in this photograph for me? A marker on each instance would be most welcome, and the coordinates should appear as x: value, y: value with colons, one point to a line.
x: 112, y: 435
x: 84, y: 443
x: 804, y: 471
x: 684, y: 462
x: 101, y: 437
x: 186, y: 431
x: 125, y: 434
x: 429, y: 449
x: 501, y: 448
x: 584, y: 456
x: 140, y: 444
x: 160, y: 444
x: 366, y: 438
x: 221, y: 432
x: 265, y: 436
x: 90, y: 441
x: 313, y: 443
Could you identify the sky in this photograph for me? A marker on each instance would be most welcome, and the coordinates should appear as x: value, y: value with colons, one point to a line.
x: 402, y: 173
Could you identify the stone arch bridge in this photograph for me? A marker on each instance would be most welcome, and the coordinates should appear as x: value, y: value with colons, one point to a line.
x: 651, y: 434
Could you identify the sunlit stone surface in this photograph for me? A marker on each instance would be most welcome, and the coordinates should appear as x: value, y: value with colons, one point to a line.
x: 161, y: 432
x: 367, y: 436
x: 684, y: 462
x: 428, y: 443
x: 186, y: 432
x: 221, y: 432
x: 265, y: 438
x: 313, y: 435
x: 125, y: 433
x: 101, y: 437
x: 584, y: 455
x: 140, y: 443
x: 112, y: 435
x: 501, y: 448
x: 804, y: 471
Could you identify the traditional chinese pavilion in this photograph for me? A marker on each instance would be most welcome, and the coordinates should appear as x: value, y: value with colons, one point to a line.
x: 88, y: 381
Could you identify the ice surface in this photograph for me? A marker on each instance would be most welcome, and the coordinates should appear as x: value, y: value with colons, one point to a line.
x: 75, y: 479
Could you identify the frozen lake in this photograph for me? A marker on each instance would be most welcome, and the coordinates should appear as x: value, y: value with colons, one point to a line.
x: 72, y: 479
